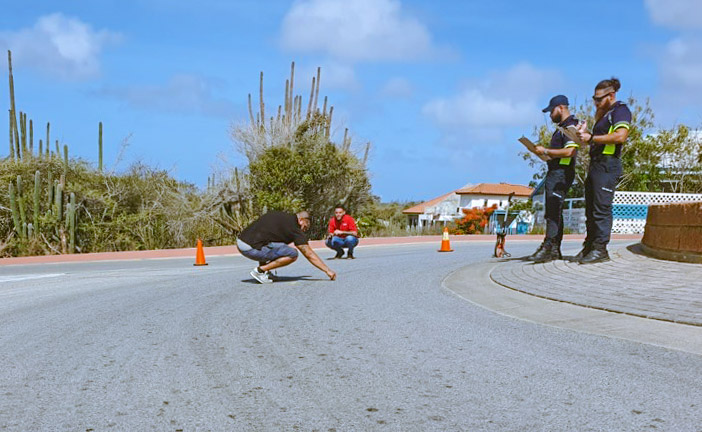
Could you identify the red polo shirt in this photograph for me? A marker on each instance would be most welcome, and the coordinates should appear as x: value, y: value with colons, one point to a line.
x: 345, y: 224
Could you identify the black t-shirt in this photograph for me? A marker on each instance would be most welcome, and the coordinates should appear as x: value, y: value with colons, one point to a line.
x: 558, y: 141
x: 619, y: 116
x: 274, y: 226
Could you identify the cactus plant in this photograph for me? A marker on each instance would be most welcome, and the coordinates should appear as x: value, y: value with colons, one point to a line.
x: 15, y: 211
x: 12, y: 143
x: 13, y: 110
x: 20, y: 204
x: 50, y: 188
x: 37, y: 187
x: 71, y: 225
x: 31, y: 138
x: 58, y: 202
x: 100, y: 148
x: 48, y: 140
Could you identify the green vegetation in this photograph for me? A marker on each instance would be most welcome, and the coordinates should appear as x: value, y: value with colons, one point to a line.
x: 293, y: 163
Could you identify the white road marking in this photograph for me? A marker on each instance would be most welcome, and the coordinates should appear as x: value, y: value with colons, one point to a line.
x: 28, y: 277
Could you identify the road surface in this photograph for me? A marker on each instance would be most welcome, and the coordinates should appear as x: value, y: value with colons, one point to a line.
x: 162, y: 345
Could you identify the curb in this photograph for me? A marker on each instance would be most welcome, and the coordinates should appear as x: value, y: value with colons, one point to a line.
x: 473, y: 284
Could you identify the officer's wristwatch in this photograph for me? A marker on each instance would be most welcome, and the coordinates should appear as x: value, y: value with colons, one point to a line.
x: 592, y: 137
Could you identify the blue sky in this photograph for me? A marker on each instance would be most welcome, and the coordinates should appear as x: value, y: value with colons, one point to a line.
x: 441, y: 89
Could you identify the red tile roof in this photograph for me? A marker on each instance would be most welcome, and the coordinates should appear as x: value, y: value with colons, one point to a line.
x: 496, y: 189
x: 419, y: 208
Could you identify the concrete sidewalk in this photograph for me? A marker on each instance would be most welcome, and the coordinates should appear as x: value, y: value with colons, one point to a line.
x: 632, y: 297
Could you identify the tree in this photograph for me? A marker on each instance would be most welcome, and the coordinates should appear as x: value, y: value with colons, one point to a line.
x: 293, y: 164
x: 311, y: 174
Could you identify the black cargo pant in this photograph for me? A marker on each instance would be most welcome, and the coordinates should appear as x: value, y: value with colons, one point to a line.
x: 601, y: 182
x: 558, y: 182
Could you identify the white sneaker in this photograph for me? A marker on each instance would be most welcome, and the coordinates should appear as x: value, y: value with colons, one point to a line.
x: 260, y: 277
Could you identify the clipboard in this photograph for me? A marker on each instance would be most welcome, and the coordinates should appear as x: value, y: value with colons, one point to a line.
x: 531, y: 147
x: 571, y: 132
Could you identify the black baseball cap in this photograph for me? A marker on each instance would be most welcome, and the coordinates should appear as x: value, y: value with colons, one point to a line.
x: 555, y: 101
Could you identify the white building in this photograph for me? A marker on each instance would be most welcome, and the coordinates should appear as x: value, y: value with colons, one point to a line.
x: 449, y: 206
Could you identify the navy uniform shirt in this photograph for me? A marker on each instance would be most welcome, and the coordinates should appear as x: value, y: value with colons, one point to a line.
x: 559, y: 141
x: 617, y: 117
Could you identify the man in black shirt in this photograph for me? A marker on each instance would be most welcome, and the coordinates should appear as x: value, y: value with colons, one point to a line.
x: 559, y: 178
x: 266, y: 241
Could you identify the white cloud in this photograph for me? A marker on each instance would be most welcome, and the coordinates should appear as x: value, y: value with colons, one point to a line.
x: 59, y: 45
x: 681, y: 70
x: 511, y: 98
x: 359, y: 30
x: 182, y: 93
x: 676, y: 14
x: 398, y: 87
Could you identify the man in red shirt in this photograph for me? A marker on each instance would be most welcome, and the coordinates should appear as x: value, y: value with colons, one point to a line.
x: 342, y: 233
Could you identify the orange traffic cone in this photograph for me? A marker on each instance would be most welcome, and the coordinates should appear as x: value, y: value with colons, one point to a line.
x: 445, y: 244
x: 200, y: 255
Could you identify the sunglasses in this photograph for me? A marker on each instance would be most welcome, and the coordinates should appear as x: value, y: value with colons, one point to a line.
x: 599, y: 99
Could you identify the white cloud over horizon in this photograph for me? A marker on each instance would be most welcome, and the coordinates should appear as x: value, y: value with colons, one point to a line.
x: 59, y: 45
x: 505, y: 98
x: 675, y: 14
x: 361, y: 30
x: 182, y: 93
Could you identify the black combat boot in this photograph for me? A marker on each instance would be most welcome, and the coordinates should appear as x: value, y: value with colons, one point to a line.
x: 587, y: 247
x: 545, y: 254
x: 597, y: 254
x: 536, y: 252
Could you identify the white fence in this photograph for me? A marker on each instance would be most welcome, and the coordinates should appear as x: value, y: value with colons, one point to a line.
x: 630, y: 208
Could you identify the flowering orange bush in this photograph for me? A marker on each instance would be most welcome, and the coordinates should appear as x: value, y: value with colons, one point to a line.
x: 474, y: 221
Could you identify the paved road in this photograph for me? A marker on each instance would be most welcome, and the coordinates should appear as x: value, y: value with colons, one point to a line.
x: 161, y: 345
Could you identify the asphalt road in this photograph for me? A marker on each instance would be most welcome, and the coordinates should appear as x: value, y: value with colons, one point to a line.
x: 162, y: 345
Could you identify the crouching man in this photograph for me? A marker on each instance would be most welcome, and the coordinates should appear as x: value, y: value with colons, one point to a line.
x: 266, y: 240
x: 343, y: 233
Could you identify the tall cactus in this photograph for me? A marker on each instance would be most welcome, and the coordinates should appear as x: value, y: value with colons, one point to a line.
x: 12, y: 140
x: 23, y: 133
x: 71, y: 223
x: 20, y: 204
x: 13, y: 110
x: 41, y: 149
x: 50, y: 188
x: 31, y: 138
x: 37, y: 188
x: 100, y: 147
x: 263, y: 106
x: 15, y: 211
x: 48, y: 140
x: 65, y: 160
x: 58, y: 201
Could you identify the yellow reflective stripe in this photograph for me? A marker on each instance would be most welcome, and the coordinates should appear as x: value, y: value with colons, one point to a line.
x: 565, y: 161
x: 571, y: 144
x: 620, y: 125
x: 609, y: 149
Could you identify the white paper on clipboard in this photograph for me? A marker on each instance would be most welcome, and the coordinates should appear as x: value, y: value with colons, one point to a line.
x: 531, y: 147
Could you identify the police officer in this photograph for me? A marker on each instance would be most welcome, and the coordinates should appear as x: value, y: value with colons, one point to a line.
x: 559, y: 178
x: 610, y: 132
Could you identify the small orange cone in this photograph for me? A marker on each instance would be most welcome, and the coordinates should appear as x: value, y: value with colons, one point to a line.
x: 200, y: 255
x: 445, y: 244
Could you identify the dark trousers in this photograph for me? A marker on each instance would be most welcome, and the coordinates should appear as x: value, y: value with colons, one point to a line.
x: 601, y: 182
x: 557, y: 184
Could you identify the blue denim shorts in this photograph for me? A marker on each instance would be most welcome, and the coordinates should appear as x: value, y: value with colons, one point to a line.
x: 269, y: 252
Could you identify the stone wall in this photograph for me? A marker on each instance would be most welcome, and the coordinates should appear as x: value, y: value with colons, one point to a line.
x: 675, y: 230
